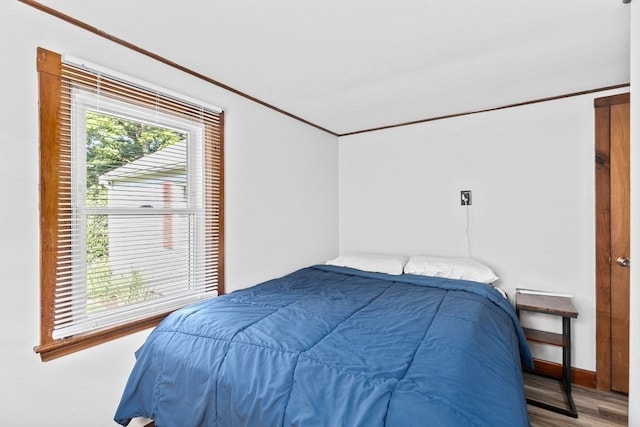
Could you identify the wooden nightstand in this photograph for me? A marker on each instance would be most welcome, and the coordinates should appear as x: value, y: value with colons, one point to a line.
x: 555, y: 306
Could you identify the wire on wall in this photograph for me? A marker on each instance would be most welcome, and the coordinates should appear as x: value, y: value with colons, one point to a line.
x: 469, y: 231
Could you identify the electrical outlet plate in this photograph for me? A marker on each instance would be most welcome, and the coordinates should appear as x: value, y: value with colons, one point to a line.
x: 465, y: 197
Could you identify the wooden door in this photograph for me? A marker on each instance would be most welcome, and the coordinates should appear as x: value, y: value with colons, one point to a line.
x: 620, y: 247
x: 612, y: 242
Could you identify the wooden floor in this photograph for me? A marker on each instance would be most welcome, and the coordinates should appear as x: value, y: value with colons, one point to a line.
x: 595, y: 408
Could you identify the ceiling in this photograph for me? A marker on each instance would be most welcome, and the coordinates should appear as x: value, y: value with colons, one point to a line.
x: 353, y: 65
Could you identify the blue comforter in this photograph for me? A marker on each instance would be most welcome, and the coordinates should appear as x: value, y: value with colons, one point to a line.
x: 332, y: 346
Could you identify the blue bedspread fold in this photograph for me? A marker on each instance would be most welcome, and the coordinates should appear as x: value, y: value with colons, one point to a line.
x: 332, y: 346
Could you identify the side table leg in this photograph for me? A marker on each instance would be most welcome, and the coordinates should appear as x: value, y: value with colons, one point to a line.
x: 566, y: 365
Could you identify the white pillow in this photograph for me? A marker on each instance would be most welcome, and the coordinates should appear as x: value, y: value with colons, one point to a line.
x: 378, y: 263
x: 451, y: 268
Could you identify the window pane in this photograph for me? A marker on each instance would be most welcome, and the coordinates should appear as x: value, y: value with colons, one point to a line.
x: 139, y: 266
x: 127, y: 153
x: 134, y: 258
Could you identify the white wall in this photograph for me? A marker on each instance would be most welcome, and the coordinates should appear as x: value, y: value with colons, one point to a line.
x: 634, y: 339
x: 281, y: 214
x: 531, y: 172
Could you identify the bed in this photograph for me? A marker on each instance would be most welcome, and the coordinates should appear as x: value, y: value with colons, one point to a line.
x: 335, y: 346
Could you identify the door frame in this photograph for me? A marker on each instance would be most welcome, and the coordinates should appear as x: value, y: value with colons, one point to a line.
x: 603, y: 236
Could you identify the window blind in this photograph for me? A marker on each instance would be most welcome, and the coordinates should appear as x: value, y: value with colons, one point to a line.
x: 132, y: 201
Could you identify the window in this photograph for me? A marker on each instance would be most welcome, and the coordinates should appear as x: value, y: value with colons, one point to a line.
x: 131, y: 194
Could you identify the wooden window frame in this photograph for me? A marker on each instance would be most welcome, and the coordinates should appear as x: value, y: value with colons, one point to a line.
x: 49, y: 67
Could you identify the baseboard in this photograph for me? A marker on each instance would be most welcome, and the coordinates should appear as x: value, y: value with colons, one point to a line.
x: 580, y: 376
